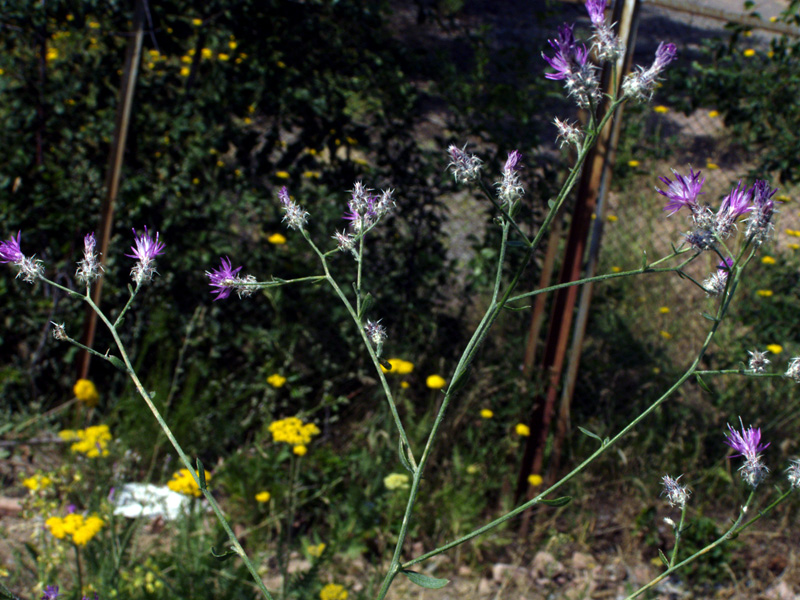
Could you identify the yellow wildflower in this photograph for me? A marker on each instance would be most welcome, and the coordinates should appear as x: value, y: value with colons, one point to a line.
x: 399, y: 367
x: 276, y: 380
x: 486, y: 413
x: 711, y: 165
x: 664, y: 310
x: 300, y: 450
x: 665, y: 334
x: 794, y: 246
x: 197, y: 22
x: 775, y: 348
x: 713, y: 114
x: 612, y: 218
x: 405, y: 385
x: 333, y: 591
x: 92, y: 441
x: 183, y: 483
x: 52, y: 54
x: 37, y: 482
x: 94, y: 25
x: 223, y: 57
x: 316, y: 551
x: 749, y: 53
x: 633, y: 163
x: 294, y: 432
x: 280, y: 63
x: 206, y: 53
x: 616, y: 269
x: 535, y: 480
x: 661, y: 109
x: 232, y: 45
x: 282, y: 175
x: 277, y: 239
x: 768, y: 260
x: 435, y: 382
x: 522, y: 429
x: 185, y: 71
x: 396, y: 481
x: 86, y: 392
x: 263, y: 497
x: 764, y: 293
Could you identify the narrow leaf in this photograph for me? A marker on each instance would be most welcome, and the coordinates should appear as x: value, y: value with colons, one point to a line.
x: 117, y: 363
x: 663, y: 558
x: 426, y: 581
x: 402, y: 451
x: 585, y: 431
x: 224, y: 556
x: 564, y: 500
x: 703, y: 384
x: 366, y: 304
x: 201, y: 474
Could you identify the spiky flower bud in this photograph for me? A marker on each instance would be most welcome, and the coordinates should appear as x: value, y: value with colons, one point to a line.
x: 677, y: 495
x: 465, y: 167
x: 89, y: 268
x: 793, y: 473
x: 30, y: 268
x: 758, y: 361
x: 376, y: 334
x: 793, y: 372
x: 510, y: 188
x: 748, y: 444
x: 641, y: 83
x: 59, y: 332
x: 294, y: 216
x: 570, y: 134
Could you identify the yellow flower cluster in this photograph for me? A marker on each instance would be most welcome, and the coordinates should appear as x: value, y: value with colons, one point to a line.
x: 86, y: 392
x: 276, y: 380
x: 396, y: 481
x: 399, y: 367
x: 435, y: 382
x: 80, y: 530
x: 92, y: 441
x: 183, y: 483
x: 316, y: 551
x: 37, y: 482
x: 333, y: 591
x: 294, y: 432
x: 263, y: 497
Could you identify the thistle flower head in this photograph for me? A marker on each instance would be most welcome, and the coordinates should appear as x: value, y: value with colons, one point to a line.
x: 793, y: 473
x: 51, y: 593
x: 294, y: 216
x: 758, y: 361
x: 510, y: 187
x: 759, y: 224
x: 569, y: 133
x: 597, y: 11
x: 59, y: 332
x: 793, y: 372
x: 465, y: 167
x: 571, y: 65
x: 683, y: 191
x: 641, y: 83
x: 224, y: 279
x: 30, y: 268
x: 733, y: 206
x: 145, y: 252
x: 677, y: 495
x: 376, y: 334
x: 89, y: 268
x: 747, y: 443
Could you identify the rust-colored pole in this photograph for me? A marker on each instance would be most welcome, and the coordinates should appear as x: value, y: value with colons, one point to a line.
x: 113, y: 176
x: 564, y: 302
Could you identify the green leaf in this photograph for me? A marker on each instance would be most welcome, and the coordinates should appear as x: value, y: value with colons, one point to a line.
x: 551, y: 203
x: 224, y: 556
x: 644, y: 260
x: 201, y: 475
x: 564, y: 500
x: 117, y: 363
x: 663, y: 558
x: 703, y: 384
x: 585, y: 431
x: 402, y: 451
x: 459, y: 381
x: 709, y: 317
x: 366, y: 304
x: 426, y: 581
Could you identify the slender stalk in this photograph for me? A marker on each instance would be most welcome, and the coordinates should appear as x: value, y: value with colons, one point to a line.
x: 78, y: 566
x: 127, y: 305
x: 678, y: 535
x: 368, y: 344
x: 722, y: 539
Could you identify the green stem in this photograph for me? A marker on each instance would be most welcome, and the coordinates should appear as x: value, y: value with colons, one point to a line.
x: 184, y: 458
x: 370, y: 349
x: 127, y: 305
x: 678, y: 535
x: 78, y: 567
x: 722, y: 539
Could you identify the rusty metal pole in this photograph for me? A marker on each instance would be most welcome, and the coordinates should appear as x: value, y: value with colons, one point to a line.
x: 565, y: 299
x: 113, y: 176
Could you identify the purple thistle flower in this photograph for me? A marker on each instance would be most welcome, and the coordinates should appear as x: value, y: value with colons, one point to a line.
x: 10, y: 251
x: 717, y: 282
x: 683, y: 191
x: 569, y: 56
x: 512, y: 162
x: 748, y: 444
x: 51, y: 592
x: 640, y: 84
x: 759, y: 224
x: 733, y: 206
x: 145, y: 252
x: 223, y: 278
x: 30, y: 268
x: 597, y: 11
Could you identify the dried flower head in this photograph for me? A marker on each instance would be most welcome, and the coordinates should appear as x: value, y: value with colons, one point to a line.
x: 715, y: 284
x: 793, y: 372
x: 59, y: 332
x: 89, y: 268
x: 758, y: 361
x: 570, y: 134
x: 510, y: 188
x: 465, y: 167
x: 793, y: 473
x: 747, y: 443
x: 376, y: 334
x: 677, y: 495
x: 759, y: 224
x: 145, y: 252
x: 294, y: 216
